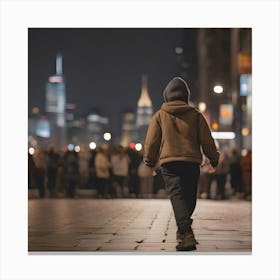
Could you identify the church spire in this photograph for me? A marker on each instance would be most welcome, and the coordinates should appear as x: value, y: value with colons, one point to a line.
x: 144, y: 100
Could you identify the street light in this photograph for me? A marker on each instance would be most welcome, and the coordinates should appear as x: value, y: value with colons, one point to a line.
x: 92, y: 145
x: 70, y: 147
x: 31, y: 150
x: 218, y: 89
x: 138, y: 147
x: 107, y: 136
x: 245, y: 131
x: 77, y: 149
x: 202, y: 107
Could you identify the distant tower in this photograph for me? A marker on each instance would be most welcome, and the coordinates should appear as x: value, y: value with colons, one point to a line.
x: 144, y: 110
x: 129, y: 131
x: 55, y: 105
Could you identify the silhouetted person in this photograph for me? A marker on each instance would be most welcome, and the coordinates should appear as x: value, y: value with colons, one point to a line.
x: 92, y: 171
x: 221, y: 175
x: 133, y: 179
x: 72, y: 174
x: 120, y: 162
x: 204, y: 183
x: 175, y: 136
x: 246, y: 167
x: 40, y: 160
x: 235, y: 173
x: 102, y: 166
x: 31, y: 172
x: 146, y: 181
x: 52, y: 165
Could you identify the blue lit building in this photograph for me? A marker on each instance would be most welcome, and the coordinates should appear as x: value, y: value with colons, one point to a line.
x: 55, y: 106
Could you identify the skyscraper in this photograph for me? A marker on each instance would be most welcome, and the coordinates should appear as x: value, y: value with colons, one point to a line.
x: 55, y: 105
x: 129, y: 130
x: 144, y: 110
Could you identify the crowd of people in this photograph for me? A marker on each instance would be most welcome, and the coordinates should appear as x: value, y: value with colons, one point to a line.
x: 234, y: 170
x: 111, y: 171
x: 115, y: 172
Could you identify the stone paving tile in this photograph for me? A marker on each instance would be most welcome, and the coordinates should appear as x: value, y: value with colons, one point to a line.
x: 133, y: 225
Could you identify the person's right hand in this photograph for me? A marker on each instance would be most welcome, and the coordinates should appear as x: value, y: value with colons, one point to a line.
x: 154, y: 173
x: 212, y: 169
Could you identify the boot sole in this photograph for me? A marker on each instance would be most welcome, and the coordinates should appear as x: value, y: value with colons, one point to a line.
x: 179, y: 247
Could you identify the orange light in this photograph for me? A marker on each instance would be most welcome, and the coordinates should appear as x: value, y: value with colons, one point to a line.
x: 215, y: 126
x: 245, y: 131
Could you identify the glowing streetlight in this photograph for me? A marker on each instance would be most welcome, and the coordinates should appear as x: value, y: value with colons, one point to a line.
x: 92, y: 145
x: 31, y: 150
x: 202, y: 107
x: 70, y: 147
x: 138, y: 147
x: 215, y: 126
x: 245, y: 131
x: 107, y: 136
x: 244, y: 152
x: 77, y: 149
x: 218, y: 89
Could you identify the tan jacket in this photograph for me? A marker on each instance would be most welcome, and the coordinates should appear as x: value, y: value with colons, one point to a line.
x: 177, y: 132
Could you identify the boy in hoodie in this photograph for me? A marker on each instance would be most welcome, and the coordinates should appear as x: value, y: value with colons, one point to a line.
x: 175, y: 136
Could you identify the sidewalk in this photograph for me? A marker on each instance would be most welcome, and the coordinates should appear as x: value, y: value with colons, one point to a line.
x: 134, y: 225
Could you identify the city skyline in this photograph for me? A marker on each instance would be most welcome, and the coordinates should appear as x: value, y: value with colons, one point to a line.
x: 103, y: 67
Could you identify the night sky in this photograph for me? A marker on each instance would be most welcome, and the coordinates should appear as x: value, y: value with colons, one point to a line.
x: 103, y: 67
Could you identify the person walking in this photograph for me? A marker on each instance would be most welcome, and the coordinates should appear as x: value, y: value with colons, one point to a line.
x: 246, y: 167
x: 235, y: 173
x: 102, y: 165
x: 120, y: 162
x: 221, y: 175
x: 40, y: 160
x: 146, y: 181
x: 52, y: 166
x: 72, y: 173
x: 175, y: 136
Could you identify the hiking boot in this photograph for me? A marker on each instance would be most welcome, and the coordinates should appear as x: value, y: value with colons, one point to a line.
x: 188, y: 243
x: 180, y: 237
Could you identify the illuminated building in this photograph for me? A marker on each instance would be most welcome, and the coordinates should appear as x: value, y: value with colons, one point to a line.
x: 96, y: 126
x: 144, y: 110
x: 129, y: 131
x: 55, y: 105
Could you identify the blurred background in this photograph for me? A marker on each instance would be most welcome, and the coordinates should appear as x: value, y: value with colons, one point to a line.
x: 92, y: 93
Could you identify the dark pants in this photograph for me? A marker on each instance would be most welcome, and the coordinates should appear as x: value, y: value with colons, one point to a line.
x: 103, y: 186
x: 51, y: 181
x: 181, y: 179
x: 221, y: 182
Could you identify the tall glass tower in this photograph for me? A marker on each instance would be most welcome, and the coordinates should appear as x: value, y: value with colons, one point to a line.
x: 55, y: 105
x: 144, y: 110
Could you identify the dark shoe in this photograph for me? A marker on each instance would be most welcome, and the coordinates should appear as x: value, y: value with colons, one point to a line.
x: 188, y: 243
x: 179, y: 237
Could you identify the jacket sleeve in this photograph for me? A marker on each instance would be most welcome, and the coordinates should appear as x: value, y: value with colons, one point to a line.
x: 206, y: 141
x: 152, y: 142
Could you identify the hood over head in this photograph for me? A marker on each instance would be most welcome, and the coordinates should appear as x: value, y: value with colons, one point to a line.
x: 176, y: 89
x: 177, y: 107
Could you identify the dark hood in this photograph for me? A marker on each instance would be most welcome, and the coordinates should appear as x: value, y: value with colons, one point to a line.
x: 177, y: 107
x: 176, y: 89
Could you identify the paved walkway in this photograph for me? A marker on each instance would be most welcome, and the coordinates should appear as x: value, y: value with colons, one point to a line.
x: 134, y: 225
